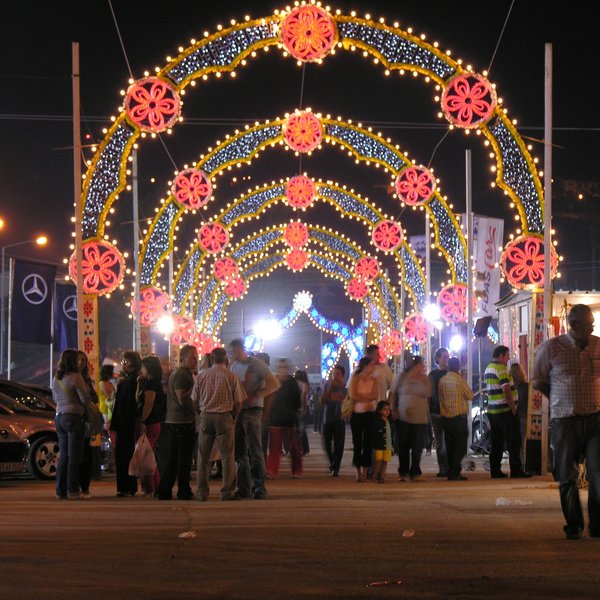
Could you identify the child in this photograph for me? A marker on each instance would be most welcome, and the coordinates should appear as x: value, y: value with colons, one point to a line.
x: 382, y: 440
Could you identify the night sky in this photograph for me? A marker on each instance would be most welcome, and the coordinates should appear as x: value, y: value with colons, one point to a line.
x: 35, y: 107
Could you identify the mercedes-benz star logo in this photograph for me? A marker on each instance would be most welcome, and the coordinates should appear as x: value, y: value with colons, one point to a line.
x: 69, y: 307
x: 34, y: 289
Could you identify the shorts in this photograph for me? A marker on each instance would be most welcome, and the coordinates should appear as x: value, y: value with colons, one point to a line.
x: 384, y: 455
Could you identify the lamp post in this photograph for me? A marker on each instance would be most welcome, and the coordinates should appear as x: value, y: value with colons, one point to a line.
x: 41, y: 240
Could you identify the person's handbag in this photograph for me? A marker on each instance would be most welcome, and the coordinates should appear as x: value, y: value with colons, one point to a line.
x: 143, y: 461
x: 94, y: 421
x: 347, y: 407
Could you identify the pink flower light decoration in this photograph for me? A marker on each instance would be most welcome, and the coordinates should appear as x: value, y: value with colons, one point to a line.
x: 367, y: 268
x: 236, y: 287
x: 300, y: 191
x: 387, y: 235
x: 415, y: 328
x: 308, y: 33
x: 103, y: 267
x: 415, y: 185
x: 225, y: 269
x: 296, y: 234
x: 204, y: 343
x: 184, y: 331
x: 523, y: 262
x: 153, y: 303
x: 452, y: 301
x: 296, y: 259
x: 213, y: 237
x: 302, y: 131
x: 357, y: 288
x: 469, y: 100
x: 152, y: 104
x: 391, y: 343
x: 192, y: 189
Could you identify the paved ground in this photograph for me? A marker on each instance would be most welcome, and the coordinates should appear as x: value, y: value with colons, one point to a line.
x: 317, y: 537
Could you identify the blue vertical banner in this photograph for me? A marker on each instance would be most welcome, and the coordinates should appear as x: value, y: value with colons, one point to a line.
x: 32, y: 293
x: 65, y: 316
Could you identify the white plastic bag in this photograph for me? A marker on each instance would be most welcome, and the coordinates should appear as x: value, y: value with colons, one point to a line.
x: 143, y: 462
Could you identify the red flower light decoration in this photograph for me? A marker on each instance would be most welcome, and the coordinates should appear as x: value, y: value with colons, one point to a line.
x: 236, y: 287
x: 415, y: 185
x: 103, y: 267
x: 308, y: 33
x: 469, y: 100
x: 296, y: 259
x: 415, y: 328
x: 192, y: 189
x: 452, y: 301
x: 204, y: 343
x: 302, y: 131
x: 184, y: 331
x: 300, y: 191
x: 357, y: 288
x: 152, y: 104
x: 213, y: 237
x: 225, y: 269
x: 153, y: 303
x: 367, y: 268
x: 387, y: 236
x: 523, y: 262
x: 296, y: 234
x: 391, y: 343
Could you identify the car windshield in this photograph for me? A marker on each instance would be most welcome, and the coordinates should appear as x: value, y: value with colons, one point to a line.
x: 24, y: 397
x: 13, y: 405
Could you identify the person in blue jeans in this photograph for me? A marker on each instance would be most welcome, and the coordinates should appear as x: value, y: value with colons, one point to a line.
x: 71, y: 394
x: 334, y: 428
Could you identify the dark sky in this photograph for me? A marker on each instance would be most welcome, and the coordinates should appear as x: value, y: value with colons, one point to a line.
x: 35, y: 104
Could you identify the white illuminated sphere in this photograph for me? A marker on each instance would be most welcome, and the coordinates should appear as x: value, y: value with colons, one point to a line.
x: 165, y: 325
x: 456, y: 343
x: 302, y: 302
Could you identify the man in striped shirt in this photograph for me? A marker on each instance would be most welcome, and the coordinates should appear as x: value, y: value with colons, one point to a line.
x: 567, y: 370
x: 501, y: 411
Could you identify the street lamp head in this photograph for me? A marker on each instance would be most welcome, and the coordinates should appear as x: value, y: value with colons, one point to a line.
x: 431, y: 313
x: 1, y: 223
x: 41, y: 240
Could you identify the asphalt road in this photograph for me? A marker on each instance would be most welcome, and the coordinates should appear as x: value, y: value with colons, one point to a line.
x: 316, y: 537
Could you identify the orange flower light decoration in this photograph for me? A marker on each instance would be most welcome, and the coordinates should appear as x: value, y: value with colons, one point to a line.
x: 357, y: 288
x: 469, y: 100
x: 103, y: 267
x: 213, y: 237
x: 192, y: 189
x: 225, y: 269
x: 308, y: 33
x: 236, y: 287
x: 184, y: 330
x: 415, y: 328
x: 204, y: 343
x: 523, y: 262
x: 296, y: 234
x: 153, y: 303
x: 152, y: 104
x: 452, y: 301
x: 391, y: 343
x: 367, y: 268
x: 387, y: 235
x: 303, y: 131
x: 415, y: 185
x: 296, y: 259
x: 300, y: 191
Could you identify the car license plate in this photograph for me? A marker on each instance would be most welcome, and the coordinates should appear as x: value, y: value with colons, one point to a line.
x: 9, y: 467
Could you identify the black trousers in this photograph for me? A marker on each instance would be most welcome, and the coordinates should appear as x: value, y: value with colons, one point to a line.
x: 334, y: 436
x: 456, y: 434
x: 178, y: 464
x: 85, y: 467
x: 572, y: 439
x: 410, y: 441
x: 505, y: 430
x: 123, y: 454
x: 361, y: 425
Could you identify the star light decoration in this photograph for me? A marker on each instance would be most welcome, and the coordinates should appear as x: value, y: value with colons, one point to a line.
x: 213, y: 237
x: 415, y: 185
x: 523, y: 262
x: 415, y: 328
x: 308, y: 33
x: 153, y: 303
x: 300, y: 192
x: 103, y: 267
x: 302, y: 301
x: 192, y: 189
x: 469, y: 100
x: 303, y: 131
x: 452, y: 301
x: 152, y: 104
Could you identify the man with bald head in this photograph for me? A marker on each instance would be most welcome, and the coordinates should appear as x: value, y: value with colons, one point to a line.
x: 567, y: 370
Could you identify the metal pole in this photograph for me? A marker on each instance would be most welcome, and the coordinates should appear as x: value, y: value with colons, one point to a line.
x: 78, y: 200
x: 9, y: 352
x: 428, y: 287
x: 547, y: 188
x: 469, y: 208
x: 170, y: 288
x: 137, y: 339
x: 4, y: 317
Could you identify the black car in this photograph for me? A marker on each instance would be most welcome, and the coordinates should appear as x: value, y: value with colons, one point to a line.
x: 34, y: 397
x: 14, y: 448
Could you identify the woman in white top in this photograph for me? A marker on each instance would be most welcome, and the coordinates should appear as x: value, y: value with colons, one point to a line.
x: 363, y: 391
x: 409, y: 396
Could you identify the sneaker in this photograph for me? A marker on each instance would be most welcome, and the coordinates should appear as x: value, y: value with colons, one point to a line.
x: 297, y: 476
x: 442, y: 474
x: 202, y: 498
x: 417, y: 478
x: 572, y: 533
x: 61, y: 496
x: 240, y: 495
x: 73, y: 495
x: 260, y: 495
x: 402, y: 477
x: 85, y: 496
x: 335, y: 473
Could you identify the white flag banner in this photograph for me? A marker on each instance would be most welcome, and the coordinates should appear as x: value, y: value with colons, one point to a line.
x: 487, y: 241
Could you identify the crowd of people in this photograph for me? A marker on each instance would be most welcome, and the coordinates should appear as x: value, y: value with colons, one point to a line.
x: 238, y: 413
